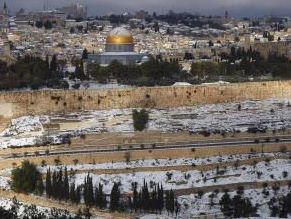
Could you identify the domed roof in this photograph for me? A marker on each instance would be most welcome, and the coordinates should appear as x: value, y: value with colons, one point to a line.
x: 119, y: 35
x: 145, y: 59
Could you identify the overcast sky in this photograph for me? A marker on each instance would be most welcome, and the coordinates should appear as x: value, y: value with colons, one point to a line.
x: 215, y: 7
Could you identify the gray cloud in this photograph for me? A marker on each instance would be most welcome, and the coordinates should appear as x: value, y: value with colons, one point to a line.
x: 235, y: 7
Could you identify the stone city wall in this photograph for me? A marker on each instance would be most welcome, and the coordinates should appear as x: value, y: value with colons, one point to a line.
x: 15, y: 104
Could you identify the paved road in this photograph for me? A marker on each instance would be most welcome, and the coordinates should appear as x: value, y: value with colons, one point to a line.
x: 158, y: 146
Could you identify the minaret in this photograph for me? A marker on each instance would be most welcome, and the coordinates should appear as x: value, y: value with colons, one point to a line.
x: 6, y: 18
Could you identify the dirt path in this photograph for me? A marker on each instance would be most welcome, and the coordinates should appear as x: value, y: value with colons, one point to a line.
x: 183, y: 168
x: 231, y: 187
x: 50, y: 203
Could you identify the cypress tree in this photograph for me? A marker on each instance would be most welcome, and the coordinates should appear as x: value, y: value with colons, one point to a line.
x: 54, y: 185
x: 226, y: 205
x: 72, y: 193
x: 171, y: 201
x: 91, y: 191
x: 53, y: 67
x: 101, y: 198
x: 135, y: 197
x: 154, y: 200
x: 97, y: 204
x: 145, y: 197
x: 139, y: 200
x: 129, y: 203
x: 78, y: 194
x: 115, y: 197
x: 85, y: 191
x: 66, y: 185
x: 160, y: 198
x: 168, y: 201
x: 39, y: 186
x: 177, y: 207
x: 88, y: 191
x: 60, y: 186
x: 48, y: 183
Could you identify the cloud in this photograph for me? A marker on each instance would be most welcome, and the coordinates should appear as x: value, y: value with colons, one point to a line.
x: 235, y: 7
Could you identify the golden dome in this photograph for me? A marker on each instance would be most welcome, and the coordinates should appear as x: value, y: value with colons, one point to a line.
x: 119, y: 35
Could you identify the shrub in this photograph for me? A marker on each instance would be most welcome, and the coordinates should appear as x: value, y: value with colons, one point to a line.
x: 57, y: 161
x: 283, y: 149
x: 25, y: 178
x: 127, y: 157
x: 75, y: 161
x: 140, y: 119
x: 43, y: 163
x: 200, y: 193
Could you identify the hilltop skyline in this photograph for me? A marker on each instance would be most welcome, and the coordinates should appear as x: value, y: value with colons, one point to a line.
x: 209, y: 7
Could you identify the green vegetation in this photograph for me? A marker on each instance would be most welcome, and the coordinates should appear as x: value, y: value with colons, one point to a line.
x: 237, y: 206
x: 27, y: 179
x: 31, y: 72
x: 153, y: 72
x: 240, y: 64
x: 58, y: 187
x: 47, y: 24
x: 237, y: 66
x: 140, y: 119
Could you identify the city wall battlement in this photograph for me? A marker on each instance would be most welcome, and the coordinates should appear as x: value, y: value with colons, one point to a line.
x: 15, y: 104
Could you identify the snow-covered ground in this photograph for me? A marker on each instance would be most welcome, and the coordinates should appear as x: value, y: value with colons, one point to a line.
x: 192, y: 205
x: 263, y: 171
x: 268, y: 114
x: 4, y: 182
x: 25, y: 209
x: 161, y: 162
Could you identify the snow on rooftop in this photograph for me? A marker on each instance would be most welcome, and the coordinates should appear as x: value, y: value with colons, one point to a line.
x: 119, y: 31
x: 182, y: 84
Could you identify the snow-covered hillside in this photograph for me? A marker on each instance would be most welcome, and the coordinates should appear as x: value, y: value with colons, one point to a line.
x: 230, y: 117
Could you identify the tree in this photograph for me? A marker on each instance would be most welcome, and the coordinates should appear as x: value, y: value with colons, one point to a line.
x: 135, y: 200
x: 39, y: 24
x: 145, y: 197
x: 25, y: 178
x: 79, y: 71
x: 140, y: 119
x: 88, y: 191
x: 39, y: 187
x: 160, y: 198
x: 85, y: 54
x: 66, y: 186
x: 48, y: 183
x: 72, y: 194
x: 100, y: 198
x: 72, y: 30
x: 54, y: 185
x: 127, y: 157
x: 242, y: 207
x: 225, y: 205
x: 156, y: 27
x: 48, y: 25
x: 115, y: 197
x: 54, y: 67
x: 170, y: 201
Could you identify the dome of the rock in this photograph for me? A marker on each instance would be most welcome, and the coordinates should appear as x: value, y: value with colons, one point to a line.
x: 119, y: 36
